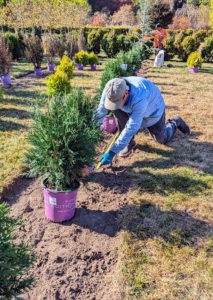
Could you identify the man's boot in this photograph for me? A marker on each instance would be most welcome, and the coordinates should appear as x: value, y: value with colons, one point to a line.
x: 181, y: 125
x: 127, y: 149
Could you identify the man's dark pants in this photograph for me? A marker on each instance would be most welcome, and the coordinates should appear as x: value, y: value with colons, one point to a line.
x: 161, y: 131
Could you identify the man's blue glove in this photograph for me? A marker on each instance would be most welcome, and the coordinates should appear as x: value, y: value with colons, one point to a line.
x: 107, y: 158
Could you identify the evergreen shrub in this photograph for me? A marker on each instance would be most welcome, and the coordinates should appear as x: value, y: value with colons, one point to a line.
x: 133, y: 58
x: 194, y: 60
x: 14, y: 44
x: 179, y: 37
x: 58, y: 83
x: 67, y: 66
x: 200, y: 35
x: 111, y: 44
x: 15, y: 258
x: 63, y: 140
x: 207, y: 51
x: 94, y: 41
x: 169, y: 47
x: 112, y: 70
x: 189, y: 45
x: 93, y: 59
x: 82, y: 57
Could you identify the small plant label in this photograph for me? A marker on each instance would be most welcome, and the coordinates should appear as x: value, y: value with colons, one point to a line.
x: 110, y: 121
x: 53, y: 201
x: 123, y: 66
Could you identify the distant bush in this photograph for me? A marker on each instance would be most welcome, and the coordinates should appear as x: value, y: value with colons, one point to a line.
x: 82, y: 57
x: 5, y: 57
x: 133, y: 58
x: 92, y: 58
x: 189, y: 45
x: 194, y: 60
x: 207, y: 51
x: 94, y: 41
x: 200, y: 35
x: 170, y: 50
x: 111, y: 44
x: 58, y: 83
x: 67, y: 66
x: 14, y: 44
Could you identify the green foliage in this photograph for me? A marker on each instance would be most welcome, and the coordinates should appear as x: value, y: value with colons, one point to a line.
x: 94, y: 41
x: 200, y: 35
x: 5, y: 57
x: 133, y: 58
x: 112, y: 70
x: 63, y: 140
x: 58, y: 83
x: 207, y: 51
x: 110, y: 43
x: 189, y: 31
x: 82, y: 57
x: 33, y: 50
x: 14, y: 44
x: 67, y: 66
x: 189, y: 45
x: 169, y: 47
x: 15, y: 258
x: 93, y: 59
x: 194, y: 60
x: 1, y: 93
x: 179, y: 37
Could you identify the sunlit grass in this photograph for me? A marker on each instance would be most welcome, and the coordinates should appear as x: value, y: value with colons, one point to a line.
x: 168, y: 251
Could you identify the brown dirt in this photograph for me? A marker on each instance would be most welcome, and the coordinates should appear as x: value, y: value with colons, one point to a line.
x: 77, y: 259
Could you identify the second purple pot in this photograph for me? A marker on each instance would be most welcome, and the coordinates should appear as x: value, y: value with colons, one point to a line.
x: 51, y: 67
x: 38, y: 72
x: 80, y: 67
x: 6, y: 80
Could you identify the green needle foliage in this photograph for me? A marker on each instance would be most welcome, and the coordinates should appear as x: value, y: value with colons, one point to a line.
x: 63, y: 140
x: 15, y: 259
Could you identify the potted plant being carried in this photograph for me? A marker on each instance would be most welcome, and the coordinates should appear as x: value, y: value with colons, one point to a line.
x: 194, y: 62
x: 81, y: 59
x: 64, y: 141
x: 93, y: 60
x: 34, y: 52
x: 5, y: 62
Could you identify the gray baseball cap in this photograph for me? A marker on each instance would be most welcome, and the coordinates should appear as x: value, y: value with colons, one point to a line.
x: 114, y: 90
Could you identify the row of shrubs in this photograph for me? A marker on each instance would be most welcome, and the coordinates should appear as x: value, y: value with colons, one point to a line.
x: 113, y: 39
x: 183, y: 42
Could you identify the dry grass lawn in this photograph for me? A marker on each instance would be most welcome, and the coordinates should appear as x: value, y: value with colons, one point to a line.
x: 168, y: 251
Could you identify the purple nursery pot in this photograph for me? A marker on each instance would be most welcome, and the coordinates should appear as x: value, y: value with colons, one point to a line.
x: 80, y: 67
x: 108, y: 124
x: 51, y: 67
x: 6, y: 80
x: 193, y: 70
x: 93, y: 67
x: 38, y: 72
x: 59, y: 206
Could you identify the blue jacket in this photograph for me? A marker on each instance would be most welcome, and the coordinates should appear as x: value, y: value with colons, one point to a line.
x: 145, y: 106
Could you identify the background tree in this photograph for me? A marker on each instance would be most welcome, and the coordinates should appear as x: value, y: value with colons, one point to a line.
x: 124, y: 16
x: 162, y: 13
